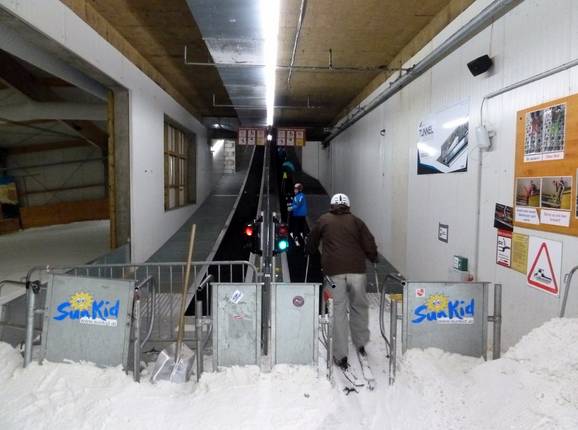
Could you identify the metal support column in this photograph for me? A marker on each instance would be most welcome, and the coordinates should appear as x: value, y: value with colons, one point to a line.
x: 136, y: 318
x: 330, y: 326
x: 393, y: 340
x: 497, y: 320
x: 199, y: 337
x: 30, y: 303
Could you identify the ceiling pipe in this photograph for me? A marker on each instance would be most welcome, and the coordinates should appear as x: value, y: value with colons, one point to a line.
x: 255, y: 107
x: 296, y: 41
x: 292, y: 67
x: 494, y: 11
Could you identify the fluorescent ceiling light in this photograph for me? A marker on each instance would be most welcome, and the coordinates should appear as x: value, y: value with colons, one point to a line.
x: 270, y: 26
x: 456, y: 122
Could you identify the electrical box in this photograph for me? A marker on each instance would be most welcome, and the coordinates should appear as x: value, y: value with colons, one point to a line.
x: 460, y: 263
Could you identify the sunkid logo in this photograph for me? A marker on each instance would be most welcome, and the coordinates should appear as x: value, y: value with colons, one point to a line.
x: 425, y: 130
x: 82, y: 307
x: 440, y: 309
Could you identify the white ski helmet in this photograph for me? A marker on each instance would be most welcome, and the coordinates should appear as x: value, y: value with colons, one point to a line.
x: 340, y: 199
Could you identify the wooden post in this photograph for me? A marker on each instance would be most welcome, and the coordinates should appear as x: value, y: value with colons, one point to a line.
x: 111, y: 171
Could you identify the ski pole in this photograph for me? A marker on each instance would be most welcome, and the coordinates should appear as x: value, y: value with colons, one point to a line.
x: 307, y: 268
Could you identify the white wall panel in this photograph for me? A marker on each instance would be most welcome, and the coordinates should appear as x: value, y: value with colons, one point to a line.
x: 151, y: 225
x: 310, y: 158
x: 534, y: 37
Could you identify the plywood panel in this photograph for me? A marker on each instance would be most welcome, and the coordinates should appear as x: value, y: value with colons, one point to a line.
x: 551, y: 168
x: 63, y: 213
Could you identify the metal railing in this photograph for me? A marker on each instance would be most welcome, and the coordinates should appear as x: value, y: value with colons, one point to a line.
x: 567, y: 282
x: 326, y: 323
x: 158, y: 311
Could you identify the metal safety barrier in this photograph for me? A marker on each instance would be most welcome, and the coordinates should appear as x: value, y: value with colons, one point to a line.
x: 440, y: 319
x: 155, y: 309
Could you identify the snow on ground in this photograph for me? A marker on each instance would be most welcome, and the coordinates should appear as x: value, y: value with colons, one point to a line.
x: 75, y: 243
x: 533, y: 387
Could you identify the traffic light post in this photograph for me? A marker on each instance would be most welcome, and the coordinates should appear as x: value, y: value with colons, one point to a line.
x: 252, y: 232
x: 281, y: 236
x: 256, y: 240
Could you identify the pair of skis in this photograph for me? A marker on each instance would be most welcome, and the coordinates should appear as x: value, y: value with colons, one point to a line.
x: 353, y: 381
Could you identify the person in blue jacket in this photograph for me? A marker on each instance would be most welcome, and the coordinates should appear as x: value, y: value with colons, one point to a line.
x: 298, y: 210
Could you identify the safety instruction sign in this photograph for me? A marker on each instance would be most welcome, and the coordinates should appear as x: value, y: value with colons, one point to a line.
x: 520, y: 243
x: 544, y: 264
x: 251, y: 136
x: 504, y: 248
x: 290, y: 137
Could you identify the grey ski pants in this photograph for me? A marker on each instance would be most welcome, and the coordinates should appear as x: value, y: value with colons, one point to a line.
x: 350, y: 292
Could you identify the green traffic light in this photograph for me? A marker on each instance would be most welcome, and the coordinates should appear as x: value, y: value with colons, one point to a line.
x: 283, y: 245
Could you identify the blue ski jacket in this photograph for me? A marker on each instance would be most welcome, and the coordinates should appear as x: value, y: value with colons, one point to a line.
x: 299, y: 205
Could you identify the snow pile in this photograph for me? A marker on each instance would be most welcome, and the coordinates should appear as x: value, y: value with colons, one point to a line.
x: 75, y: 243
x: 82, y: 396
x: 534, y: 386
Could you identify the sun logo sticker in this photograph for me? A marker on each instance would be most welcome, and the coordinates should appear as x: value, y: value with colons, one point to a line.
x: 81, y: 301
x: 437, y: 303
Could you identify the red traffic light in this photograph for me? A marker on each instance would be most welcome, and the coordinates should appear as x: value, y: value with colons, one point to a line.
x: 283, y: 230
x: 249, y: 230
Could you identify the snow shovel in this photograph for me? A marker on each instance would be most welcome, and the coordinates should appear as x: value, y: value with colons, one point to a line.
x: 175, y: 363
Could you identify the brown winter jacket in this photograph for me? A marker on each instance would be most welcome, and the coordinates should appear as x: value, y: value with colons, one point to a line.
x: 347, y: 242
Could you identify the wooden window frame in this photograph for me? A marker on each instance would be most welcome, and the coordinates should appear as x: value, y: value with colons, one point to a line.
x: 178, y: 146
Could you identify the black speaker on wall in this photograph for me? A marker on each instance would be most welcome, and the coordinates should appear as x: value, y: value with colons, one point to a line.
x: 480, y: 65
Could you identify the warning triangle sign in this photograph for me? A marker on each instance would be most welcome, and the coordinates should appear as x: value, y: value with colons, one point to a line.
x: 541, y: 274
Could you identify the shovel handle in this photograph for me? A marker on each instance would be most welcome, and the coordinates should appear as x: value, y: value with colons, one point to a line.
x: 181, y: 332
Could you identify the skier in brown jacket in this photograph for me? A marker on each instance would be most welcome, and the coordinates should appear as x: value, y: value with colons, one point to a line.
x: 347, y: 243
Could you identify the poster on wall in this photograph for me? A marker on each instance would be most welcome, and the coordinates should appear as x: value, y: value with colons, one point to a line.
x: 545, y: 134
x: 528, y: 192
x: 504, y: 217
x: 556, y: 192
x: 442, y: 145
x: 551, y: 194
x: 8, y: 193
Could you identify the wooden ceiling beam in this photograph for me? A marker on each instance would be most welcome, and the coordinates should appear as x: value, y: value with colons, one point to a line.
x: 440, y: 21
x: 15, y: 75
x: 43, y: 147
x: 88, y: 12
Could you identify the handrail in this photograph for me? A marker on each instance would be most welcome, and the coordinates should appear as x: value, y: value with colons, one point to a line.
x: 397, y: 277
x: 567, y: 281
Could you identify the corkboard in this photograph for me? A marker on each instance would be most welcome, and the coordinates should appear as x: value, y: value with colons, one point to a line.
x: 553, y: 169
